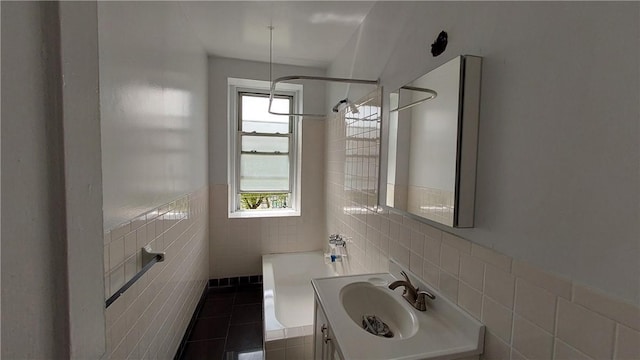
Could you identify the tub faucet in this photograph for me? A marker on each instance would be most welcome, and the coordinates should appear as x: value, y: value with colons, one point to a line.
x: 337, y: 240
x: 413, y: 295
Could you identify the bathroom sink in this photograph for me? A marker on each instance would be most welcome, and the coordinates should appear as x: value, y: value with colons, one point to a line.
x: 443, y: 332
x: 364, y: 298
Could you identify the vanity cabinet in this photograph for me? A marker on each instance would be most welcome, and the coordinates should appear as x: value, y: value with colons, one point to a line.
x: 445, y: 331
x: 325, y: 346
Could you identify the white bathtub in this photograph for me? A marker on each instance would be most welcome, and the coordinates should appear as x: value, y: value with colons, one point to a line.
x: 288, y: 295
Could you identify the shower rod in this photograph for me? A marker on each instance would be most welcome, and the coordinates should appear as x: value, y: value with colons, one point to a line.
x: 306, y: 77
x: 432, y: 93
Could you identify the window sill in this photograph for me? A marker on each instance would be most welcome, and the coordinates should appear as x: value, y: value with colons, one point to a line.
x: 263, y: 214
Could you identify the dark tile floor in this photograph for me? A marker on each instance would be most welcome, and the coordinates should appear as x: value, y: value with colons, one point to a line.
x: 228, y: 325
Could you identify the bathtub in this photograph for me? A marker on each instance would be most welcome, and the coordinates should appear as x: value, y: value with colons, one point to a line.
x: 288, y: 295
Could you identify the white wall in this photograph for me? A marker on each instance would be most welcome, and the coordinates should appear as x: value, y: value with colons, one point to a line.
x: 238, y: 244
x: 558, y: 168
x: 33, y: 295
x: 53, y: 301
x: 80, y: 109
x: 153, y: 93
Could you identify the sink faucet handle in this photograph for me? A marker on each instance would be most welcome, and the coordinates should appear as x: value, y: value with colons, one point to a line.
x: 404, y: 274
x: 427, y: 294
x: 421, y: 303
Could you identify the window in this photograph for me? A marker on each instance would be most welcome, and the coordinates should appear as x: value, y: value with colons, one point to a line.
x: 264, y: 152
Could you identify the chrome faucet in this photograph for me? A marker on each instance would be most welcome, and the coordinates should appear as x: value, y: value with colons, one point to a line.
x: 337, y: 240
x: 413, y: 295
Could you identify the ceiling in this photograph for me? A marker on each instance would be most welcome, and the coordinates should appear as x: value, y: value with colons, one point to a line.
x: 306, y: 33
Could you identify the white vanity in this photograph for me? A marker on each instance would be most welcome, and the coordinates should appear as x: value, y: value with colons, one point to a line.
x: 443, y: 331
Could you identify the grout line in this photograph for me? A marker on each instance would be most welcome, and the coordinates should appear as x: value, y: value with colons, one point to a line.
x: 616, y: 334
x: 554, y: 335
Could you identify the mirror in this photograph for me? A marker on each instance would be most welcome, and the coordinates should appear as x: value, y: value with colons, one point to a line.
x: 433, y: 136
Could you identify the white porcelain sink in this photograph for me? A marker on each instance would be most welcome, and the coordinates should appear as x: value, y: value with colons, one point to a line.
x: 442, y: 332
x: 364, y: 298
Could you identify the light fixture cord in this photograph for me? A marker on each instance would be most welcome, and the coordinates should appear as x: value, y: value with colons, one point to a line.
x: 353, y: 59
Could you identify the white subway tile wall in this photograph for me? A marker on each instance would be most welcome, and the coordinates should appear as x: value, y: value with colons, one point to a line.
x: 529, y: 313
x: 564, y: 351
x: 627, y: 343
x: 237, y: 244
x: 530, y: 340
x: 535, y: 304
x: 497, y: 318
x: 149, y: 320
x: 351, y: 189
x: 585, y: 330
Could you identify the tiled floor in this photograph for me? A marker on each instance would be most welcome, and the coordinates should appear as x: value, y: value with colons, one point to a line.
x: 229, y: 326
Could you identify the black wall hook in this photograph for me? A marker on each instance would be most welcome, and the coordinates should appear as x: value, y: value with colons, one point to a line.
x: 440, y: 44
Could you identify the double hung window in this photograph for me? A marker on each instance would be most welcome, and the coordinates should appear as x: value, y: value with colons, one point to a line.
x: 265, y: 153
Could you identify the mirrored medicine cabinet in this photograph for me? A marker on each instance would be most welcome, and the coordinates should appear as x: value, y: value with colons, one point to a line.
x: 432, y: 144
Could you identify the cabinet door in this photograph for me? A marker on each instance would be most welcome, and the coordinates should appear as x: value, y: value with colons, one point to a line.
x: 331, y: 346
x: 320, y: 325
x: 325, y: 347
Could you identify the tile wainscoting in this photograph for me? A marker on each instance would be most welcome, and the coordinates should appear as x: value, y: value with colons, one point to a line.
x: 149, y: 320
x: 529, y: 313
x: 237, y: 244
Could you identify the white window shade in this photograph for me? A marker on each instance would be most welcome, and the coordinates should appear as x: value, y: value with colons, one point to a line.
x: 267, y: 173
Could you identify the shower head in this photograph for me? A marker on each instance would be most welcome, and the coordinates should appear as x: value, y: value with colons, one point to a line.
x: 352, y: 107
x: 335, y: 108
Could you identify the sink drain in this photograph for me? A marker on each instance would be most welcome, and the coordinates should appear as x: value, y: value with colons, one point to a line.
x: 376, y: 326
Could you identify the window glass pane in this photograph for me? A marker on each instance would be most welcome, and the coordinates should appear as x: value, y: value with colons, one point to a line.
x: 264, y: 172
x: 256, y: 117
x: 265, y: 143
x: 252, y: 201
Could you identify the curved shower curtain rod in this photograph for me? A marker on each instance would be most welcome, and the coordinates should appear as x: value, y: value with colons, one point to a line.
x: 302, y: 77
x: 432, y: 93
x: 321, y: 78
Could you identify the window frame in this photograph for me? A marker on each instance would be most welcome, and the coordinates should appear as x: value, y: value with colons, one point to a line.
x: 237, y: 87
x: 289, y: 136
